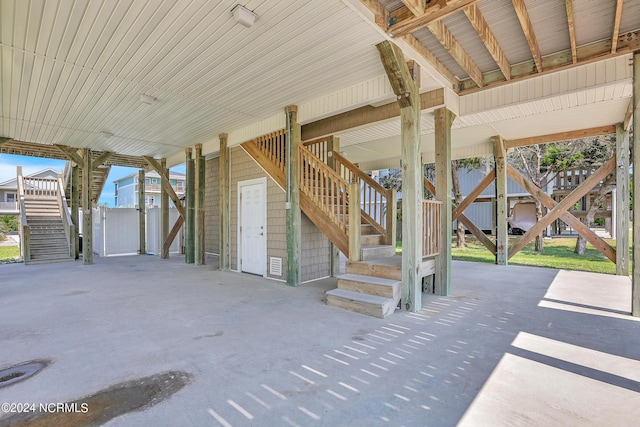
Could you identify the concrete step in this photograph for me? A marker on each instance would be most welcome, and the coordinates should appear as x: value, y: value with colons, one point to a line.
x: 377, y: 251
x: 370, y: 285
x: 371, y: 305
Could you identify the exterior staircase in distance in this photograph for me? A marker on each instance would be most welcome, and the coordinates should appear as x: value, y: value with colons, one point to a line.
x: 45, y: 225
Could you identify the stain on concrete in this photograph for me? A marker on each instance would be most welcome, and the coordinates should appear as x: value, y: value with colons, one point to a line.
x: 72, y: 293
x: 98, y: 408
x: 217, y: 334
x: 21, y: 372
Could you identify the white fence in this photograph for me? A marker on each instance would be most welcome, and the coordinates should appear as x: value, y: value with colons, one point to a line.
x: 116, y: 231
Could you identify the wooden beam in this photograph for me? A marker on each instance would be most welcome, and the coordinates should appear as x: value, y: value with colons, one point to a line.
x: 398, y: 74
x: 164, y: 207
x: 567, y: 217
x: 473, y: 195
x: 572, y: 30
x: 443, y: 119
x: 293, y: 213
x: 165, y: 184
x: 200, y: 175
x: 622, y: 201
x: 458, y: 53
x: 488, y: 38
x: 142, y: 214
x: 101, y: 159
x: 365, y: 115
x: 189, y: 234
x: 87, y: 210
x: 417, y: 7
x: 4, y: 141
x: 172, y: 234
x: 598, y: 51
x: 224, y: 207
x: 436, y: 11
x: 562, y: 136
x: 333, y: 145
x: 626, y: 124
x: 355, y: 248
x: 75, y: 206
x: 616, y: 26
x: 527, y: 29
x: 564, y: 205
x: 70, y: 154
x: 502, y: 203
x: 381, y: 14
x: 635, y: 276
x: 431, y: 58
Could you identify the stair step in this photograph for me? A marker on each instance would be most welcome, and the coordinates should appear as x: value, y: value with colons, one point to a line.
x: 387, y: 268
x: 371, y: 239
x: 371, y: 305
x: 370, y: 285
x: 377, y: 251
x: 49, y: 260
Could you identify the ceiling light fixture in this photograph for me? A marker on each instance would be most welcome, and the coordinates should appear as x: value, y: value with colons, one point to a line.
x: 147, y: 99
x: 244, y: 16
x: 106, y: 135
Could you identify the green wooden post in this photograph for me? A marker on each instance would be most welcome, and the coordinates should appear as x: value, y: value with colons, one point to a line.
x: 199, y: 207
x: 502, y: 204
x: 443, y: 121
x: 294, y: 216
x: 189, y: 256
x: 87, y: 210
x: 164, y: 209
x: 142, y: 211
x: 225, y: 210
x: 75, y: 207
x: 622, y: 201
x: 635, y: 288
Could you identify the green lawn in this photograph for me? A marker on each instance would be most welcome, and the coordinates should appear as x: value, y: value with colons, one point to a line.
x: 9, y: 252
x: 558, y: 253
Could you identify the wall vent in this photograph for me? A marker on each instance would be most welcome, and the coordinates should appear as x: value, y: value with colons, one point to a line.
x: 275, y: 266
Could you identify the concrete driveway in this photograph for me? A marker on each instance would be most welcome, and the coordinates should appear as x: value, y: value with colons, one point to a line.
x: 143, y: 341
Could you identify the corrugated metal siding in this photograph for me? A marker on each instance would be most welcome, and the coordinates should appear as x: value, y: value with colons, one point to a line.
x: 594, y: 20
x: 630, y: 13
x: 503, y: 21
x: 549, y: 21
x: 434, y: 46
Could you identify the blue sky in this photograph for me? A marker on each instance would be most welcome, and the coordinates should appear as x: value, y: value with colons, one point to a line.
x: 8, y: 163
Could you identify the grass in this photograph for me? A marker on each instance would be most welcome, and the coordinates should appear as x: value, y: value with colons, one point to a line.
x: 558, y: 253
x: 8, y: 253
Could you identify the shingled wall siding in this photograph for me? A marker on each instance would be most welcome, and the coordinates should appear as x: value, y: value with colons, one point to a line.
x: 315, y: 245
x: 212, y: 207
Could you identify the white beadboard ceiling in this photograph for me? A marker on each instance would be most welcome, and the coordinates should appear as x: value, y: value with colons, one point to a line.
x: 71, y: 69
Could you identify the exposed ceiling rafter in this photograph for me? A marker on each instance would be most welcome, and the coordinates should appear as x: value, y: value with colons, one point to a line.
x: 458, y: 53
x: 616, y: 26
x: 417, y: 7
x: 529, y: 34
x: 435, y: 11
x: 486, y: 35
x: 572, y: 30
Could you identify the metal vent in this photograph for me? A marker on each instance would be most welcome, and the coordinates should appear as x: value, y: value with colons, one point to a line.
x: 275, y: 266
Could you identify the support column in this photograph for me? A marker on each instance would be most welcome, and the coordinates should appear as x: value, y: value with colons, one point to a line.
x: 502, y: 204
x: 87, y: 210
x: 199, y: 207
x: 75, y: 206
x: 189, y: 256
x: 164, y: 209
x: 443, y: 121
x: 224, y: 197
x: 333, y: 144
x: 142, y: 213
x: 635, y: 287
x: 622, y: 201
x: 292, y: 206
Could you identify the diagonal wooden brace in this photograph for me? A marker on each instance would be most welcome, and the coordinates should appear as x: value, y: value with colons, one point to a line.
x: 166, y: 187
x: 471, y: 197
x: 560, y: 208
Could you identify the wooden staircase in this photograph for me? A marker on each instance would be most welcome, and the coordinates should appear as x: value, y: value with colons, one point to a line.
x: 45, y: 224
x: 326, y: 197
x: 98, y: 180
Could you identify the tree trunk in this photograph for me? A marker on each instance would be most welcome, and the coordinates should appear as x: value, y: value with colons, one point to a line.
x: 605, y: 187
x: 539, y: 242
x: 460, y: 241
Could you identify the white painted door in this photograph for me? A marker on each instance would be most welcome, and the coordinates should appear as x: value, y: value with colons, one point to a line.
x: 253, y: 227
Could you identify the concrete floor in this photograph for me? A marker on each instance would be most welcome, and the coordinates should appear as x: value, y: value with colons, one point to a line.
x: 512, y: 346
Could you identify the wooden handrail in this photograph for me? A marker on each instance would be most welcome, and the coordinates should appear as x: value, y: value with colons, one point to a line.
x: 67, y: 222
x: 40, y: 187
x: 272, y: 145
x: 375, y: 200
x: 324, y: 186
x: 319, y: 147
x: 25, y: 235
x: 431, y: 211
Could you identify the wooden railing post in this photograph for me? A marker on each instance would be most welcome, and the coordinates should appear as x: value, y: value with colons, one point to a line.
x: 391, y: 217
x: 354, y: 222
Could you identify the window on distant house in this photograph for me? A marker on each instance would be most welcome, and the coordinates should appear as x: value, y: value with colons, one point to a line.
x: 147, y: 181
x: 10, y: 197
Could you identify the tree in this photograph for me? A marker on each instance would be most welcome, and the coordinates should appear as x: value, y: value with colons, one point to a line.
x: 392, y: 180
x: 456, y: 165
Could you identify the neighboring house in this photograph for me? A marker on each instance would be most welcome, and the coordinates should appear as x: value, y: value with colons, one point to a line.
x: 126, y: 189
x: 9, y: 191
